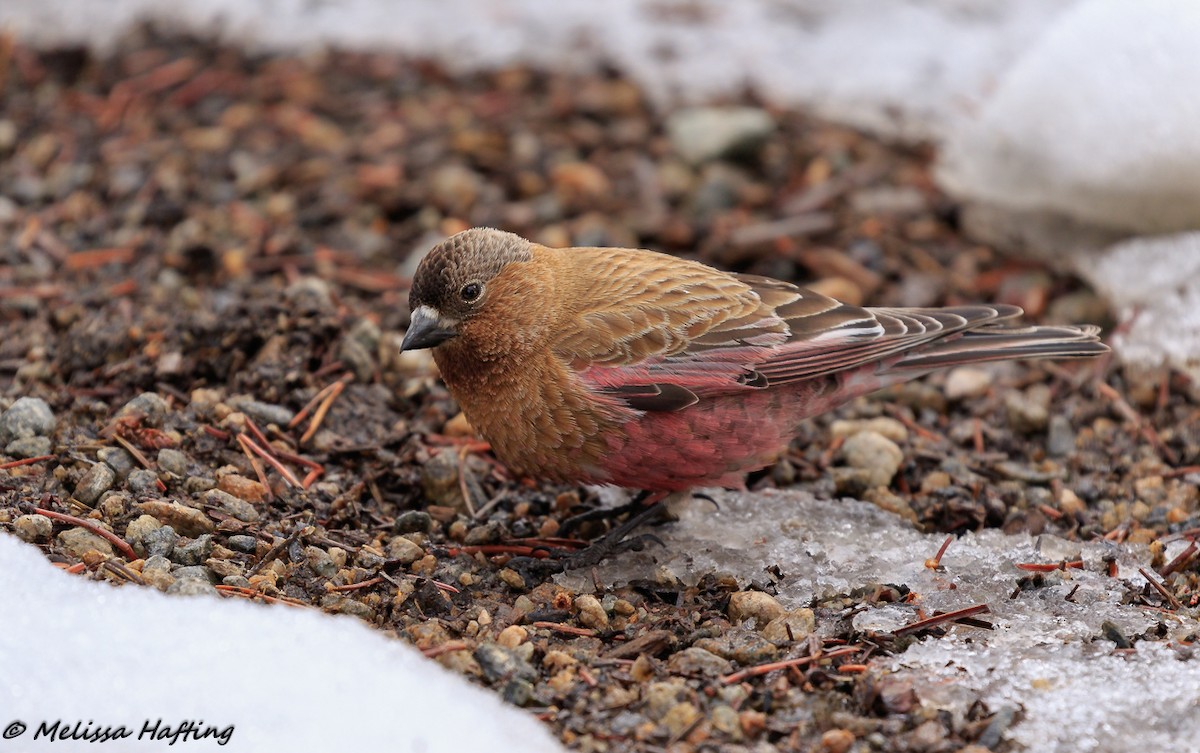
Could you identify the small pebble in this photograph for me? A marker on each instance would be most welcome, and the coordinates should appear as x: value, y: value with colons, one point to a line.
x: 967, y: 381
x: 192, y: 571
x: 661, y: 697
x: 439, y: 480
x: 680, y: 718
x: 357, y: 358
x: 157, y: 572
x: 118, y: 459
x: 697, y: 661
x: 242, y: 543
x: 459, y: 426
x: 512, y: 579
x: 591, y: 612
x: 413, y: 521
x: 404, y: 550
x: 138, y: 529
x: 499, y: 663
x: 29, y: 447
x: 319, y: 561
x: 235, y: 506
x: 700, y: 134
x: 142, y: 481
x: 191, y: 586
x: 742, y: 646
x: 725, y: 720
x: 95, y: 481
x: 756, y: 605
x: 896, y: 694
x: 223, y: 568
x: 1070, y: 503
x: 518, y: 692
x: 490, y: 532
x: 242, y: 487
x: 263, y: 413
x: 837, y: 741
x: 159, y: 541
x: 33, y: 528
x: 1150, y: 490
x: 928, y: 735
x: 369, y: 558
x: 874, y: 453
x: 193, y: 552
x: 80, y: 541
x: 149, y: 405
x: 754, y: 723
x: 795, y: 625
x: 512, y: 636
x: 884, y: 426
x: 1029, y: 411
x: 26, y: 417
x: 186, y: 520
x: 1060, y: 439
x: 173, y: 461
x: 204, y: 399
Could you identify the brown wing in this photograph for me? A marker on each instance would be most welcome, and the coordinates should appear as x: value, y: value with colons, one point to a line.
x: 629, y: 307
x: 657, y: 332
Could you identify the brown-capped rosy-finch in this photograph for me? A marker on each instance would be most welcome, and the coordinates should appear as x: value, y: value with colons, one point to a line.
x: 634, y: 368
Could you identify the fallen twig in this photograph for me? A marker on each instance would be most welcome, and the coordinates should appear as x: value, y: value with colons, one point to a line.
x: 938, y: 619
x: 108, y: 536
x: 762, y: 669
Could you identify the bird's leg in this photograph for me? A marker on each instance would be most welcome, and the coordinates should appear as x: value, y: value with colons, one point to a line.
x: 614, y: 542
x: 640, y: 500
x: 618, y: 539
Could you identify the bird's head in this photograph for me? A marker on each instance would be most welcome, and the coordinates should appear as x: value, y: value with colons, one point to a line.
x: 454, y: 284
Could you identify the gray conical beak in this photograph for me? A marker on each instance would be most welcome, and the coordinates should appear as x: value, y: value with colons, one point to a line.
x: 427, y: 329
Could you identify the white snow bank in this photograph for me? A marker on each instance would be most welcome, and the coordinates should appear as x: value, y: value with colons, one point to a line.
x: 1095, y: 128
x: 1154, y: 285
x: 1045, y: 655
x: 281, y: 678
x: 1097, y: 121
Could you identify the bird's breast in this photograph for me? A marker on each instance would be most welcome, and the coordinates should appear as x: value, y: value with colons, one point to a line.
x: 537, y: 415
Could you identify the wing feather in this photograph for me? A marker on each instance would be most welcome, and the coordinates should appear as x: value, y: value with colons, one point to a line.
x: 655, y: 332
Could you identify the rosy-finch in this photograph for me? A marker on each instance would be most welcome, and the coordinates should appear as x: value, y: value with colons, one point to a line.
x: 634, y: 368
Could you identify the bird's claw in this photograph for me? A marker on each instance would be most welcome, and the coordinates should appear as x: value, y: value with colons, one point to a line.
x: 632, y: 507
x: 614, y: 542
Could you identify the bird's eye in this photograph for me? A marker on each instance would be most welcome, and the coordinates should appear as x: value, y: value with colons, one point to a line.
x: 471, y: 292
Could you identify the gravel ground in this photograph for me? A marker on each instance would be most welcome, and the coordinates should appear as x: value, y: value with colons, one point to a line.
x: 204, y: 261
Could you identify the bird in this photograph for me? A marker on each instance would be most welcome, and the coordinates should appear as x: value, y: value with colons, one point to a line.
x: 643, y: 370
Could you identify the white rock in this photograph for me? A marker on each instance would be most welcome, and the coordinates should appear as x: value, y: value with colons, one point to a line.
x: 967, y: 381
x: 703, y: 133
x: 874, y: 453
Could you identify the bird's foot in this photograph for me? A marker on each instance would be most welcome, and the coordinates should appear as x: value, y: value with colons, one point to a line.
x: 616, y: 541
x: 642, y: 500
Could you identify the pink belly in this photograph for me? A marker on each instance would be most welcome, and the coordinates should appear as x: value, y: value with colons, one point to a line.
x: 716, y: 441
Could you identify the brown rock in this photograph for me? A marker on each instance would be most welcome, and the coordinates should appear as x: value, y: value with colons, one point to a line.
x: 188, y: 521
x: 242, y: 487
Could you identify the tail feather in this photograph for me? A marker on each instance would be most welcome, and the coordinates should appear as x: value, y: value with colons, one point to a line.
x: 1005, y: 343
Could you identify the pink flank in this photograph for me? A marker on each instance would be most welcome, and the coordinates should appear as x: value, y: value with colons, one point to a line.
x: 719, y: 439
